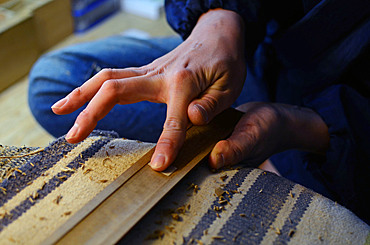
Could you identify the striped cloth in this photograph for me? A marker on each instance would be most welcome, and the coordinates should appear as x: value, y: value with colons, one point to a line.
x: 246, y: 206
x: 41, y: 188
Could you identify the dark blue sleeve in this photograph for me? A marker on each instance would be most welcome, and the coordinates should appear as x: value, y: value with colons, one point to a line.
x: 182, y: 15
x: 346, y: 112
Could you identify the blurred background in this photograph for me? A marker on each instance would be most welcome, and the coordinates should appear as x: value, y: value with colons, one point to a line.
x: 29, y: 28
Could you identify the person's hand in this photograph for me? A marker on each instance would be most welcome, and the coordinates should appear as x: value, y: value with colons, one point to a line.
x: 269, y: 128
x: 197, y: 80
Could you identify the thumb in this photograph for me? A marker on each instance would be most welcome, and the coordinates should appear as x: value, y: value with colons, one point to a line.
x: 232, y: 150
x: 204, y: 109
x: 225, y: 153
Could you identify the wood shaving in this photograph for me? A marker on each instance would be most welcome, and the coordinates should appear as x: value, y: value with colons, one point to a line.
x: 67, y: 169
x: 57, y: 199
x: 43, y: 185
x: 87, y: 171
x: 170, y: 170
x: 19, y: 171
x: 194, y: 187
x: 223, y: 177
x: 218, y: 237
x: 35, y: 195
x: 62, y: 178
x: 199, y: 242
x: 24, y: 155
x: 157, y: 234
x: 170, y: 228
x: 107, y: 162
x: 175, y: 216
x: 219, y: 192
x: 181, y: 210
x: 3, y: 213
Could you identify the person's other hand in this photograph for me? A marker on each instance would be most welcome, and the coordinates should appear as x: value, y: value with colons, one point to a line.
x: 197, y: 80
x: 269, y: 128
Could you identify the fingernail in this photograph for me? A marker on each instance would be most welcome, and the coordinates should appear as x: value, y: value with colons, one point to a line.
x: 202, y: 111
x: 158, y: 161
x: 59, y: 103
x: 220, y: 160
x: 72, y: 132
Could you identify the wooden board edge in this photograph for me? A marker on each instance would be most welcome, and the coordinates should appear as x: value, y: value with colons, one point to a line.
x: 114, y: 217
x: 104, y: 194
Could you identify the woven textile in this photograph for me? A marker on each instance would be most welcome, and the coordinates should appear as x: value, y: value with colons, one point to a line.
x: 43, y: 187
x: 246, y: 206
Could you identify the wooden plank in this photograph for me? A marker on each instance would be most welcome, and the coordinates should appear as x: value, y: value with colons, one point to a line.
x: 53, y: 22
x: 19, y: 50
x: 117, y: 214
x: 79, y: 215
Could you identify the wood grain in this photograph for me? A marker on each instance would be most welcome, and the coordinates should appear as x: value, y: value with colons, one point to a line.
x: 117, y: 214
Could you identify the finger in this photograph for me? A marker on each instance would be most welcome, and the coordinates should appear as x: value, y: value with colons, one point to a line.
x: 112, y: 92
x: 234, y: 149
x: 212, y: 102
x: 79, y: 96
x: 173, y: 135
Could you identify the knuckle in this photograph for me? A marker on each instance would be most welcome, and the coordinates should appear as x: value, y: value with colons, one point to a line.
x: 211, y: 103
x: 106, y: 73
x: 173, y: 124
x: 86, y: 116
x: 182, y: 75
x: 111, y: 86
x: 79, y: 94
x: 167, y: 142
x: 76, y: 92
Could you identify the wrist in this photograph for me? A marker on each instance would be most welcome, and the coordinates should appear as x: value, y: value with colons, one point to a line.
x: 220, y: 25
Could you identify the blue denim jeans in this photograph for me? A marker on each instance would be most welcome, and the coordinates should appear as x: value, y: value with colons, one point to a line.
x: 57, y: 73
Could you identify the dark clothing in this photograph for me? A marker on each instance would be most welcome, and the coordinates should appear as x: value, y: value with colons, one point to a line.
x: 312, y: 54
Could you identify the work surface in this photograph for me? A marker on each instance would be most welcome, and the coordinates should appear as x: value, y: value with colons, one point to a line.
x: 96, y: 191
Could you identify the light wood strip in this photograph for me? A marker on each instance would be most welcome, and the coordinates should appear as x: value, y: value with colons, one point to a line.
x: 114, y: 217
